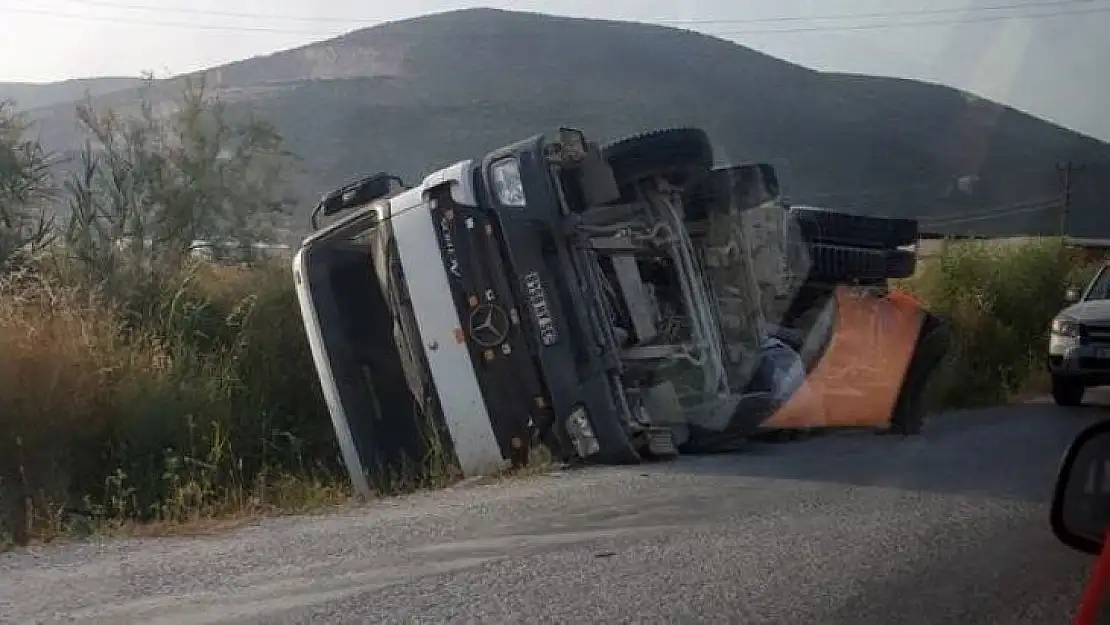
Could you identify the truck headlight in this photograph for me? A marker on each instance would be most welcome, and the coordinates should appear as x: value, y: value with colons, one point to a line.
x: 1062, y: 326
x: 505, y: 178
x: 581, y: 433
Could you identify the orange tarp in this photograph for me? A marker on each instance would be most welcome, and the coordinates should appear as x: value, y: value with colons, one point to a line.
x: 857, y: 381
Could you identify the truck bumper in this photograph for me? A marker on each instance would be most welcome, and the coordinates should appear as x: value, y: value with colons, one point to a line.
x: 1068, y: 357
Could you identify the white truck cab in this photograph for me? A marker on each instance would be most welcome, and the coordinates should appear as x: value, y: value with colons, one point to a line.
x: 542, y: 294
x: 385, y: 336
x: 607, y: 303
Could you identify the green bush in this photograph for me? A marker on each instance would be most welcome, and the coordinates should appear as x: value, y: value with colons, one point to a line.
x: 999, y: 299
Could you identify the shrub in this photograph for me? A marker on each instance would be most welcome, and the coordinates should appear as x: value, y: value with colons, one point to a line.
x: 1000, y: 300
x: 26, y: 186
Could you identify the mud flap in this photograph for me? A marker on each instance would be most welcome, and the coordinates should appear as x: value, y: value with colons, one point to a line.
x: 858, y: 381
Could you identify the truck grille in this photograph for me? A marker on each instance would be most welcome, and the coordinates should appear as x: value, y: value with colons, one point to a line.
x: 1094, y: 333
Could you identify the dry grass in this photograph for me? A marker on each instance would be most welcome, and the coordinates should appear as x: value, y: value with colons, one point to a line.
x: 171, y: 404
x: 65, y: 370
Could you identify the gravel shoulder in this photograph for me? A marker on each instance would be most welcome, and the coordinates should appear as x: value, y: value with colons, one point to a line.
x: 950, y: 527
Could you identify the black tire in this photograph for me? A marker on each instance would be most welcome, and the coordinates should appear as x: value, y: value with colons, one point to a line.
x: 841, y: 264
x: 1067, y: 392
x: 679, y: 154
x: 838, y: 228
x: 718, y: 188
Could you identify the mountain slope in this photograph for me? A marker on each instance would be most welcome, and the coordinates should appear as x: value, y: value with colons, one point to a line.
x: 413, y: 95
x: 32, y: 95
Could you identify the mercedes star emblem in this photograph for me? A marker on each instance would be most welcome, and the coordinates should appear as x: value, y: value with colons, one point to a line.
x: 488, y: 325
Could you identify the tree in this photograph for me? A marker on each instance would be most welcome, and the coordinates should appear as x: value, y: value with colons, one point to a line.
x: 154, y: 183
x: 25, y: 187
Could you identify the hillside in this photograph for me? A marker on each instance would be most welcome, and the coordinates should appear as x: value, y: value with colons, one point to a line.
x: 412, y: 95
x: 32, y: 95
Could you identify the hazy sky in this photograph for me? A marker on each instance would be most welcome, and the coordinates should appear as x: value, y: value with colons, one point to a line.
x: 1053, y: 64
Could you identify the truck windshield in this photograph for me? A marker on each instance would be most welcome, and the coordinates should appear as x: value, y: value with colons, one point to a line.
x: 370, y: 343
x: 1100, y: 286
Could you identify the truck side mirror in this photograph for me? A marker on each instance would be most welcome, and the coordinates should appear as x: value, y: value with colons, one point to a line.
x: 1071, y: 295
x: 1080, y: 514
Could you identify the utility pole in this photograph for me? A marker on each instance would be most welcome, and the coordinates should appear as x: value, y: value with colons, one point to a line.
x: 1066, y: 170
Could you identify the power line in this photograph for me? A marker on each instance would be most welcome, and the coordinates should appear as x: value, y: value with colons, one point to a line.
x: 355, y: 22
x: 911, y: 24
x: 238, y: 14
x: 712, y: 22
x: 882, y: 14
x: 954, y: 222
x: 143, y: 22
x: 1006, y: 213
x: 992, y: 211
x: 940, y: 188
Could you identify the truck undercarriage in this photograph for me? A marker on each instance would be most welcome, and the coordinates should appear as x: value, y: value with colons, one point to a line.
x: 612, y: 304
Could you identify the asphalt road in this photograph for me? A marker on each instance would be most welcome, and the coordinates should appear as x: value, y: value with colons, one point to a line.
x: 947, y: 528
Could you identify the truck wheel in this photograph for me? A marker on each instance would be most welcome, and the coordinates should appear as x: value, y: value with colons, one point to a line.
x: 838, y: 228
x: 732, y: 188
x: 678, y: 154
x: 841, y: 263
x: 1067, y: 392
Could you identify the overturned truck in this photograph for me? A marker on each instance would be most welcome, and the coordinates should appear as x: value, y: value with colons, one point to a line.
x: 612, y: 304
